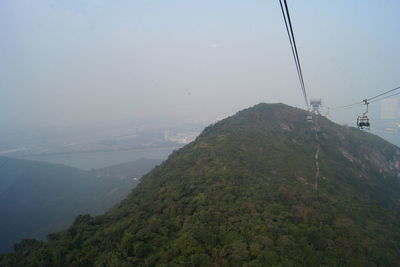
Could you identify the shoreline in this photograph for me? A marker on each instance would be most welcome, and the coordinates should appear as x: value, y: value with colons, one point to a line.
x: 93, y: 151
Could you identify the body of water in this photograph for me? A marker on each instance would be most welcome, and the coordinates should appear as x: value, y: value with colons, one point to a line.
x: 95, y: 160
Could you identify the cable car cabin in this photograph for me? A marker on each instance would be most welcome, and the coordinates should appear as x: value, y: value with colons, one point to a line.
x: 363, y: 122
x: 309, y: 118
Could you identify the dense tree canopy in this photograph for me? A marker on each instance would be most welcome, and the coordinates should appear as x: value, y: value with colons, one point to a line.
x: 38, y: 198
x: 242, y: 194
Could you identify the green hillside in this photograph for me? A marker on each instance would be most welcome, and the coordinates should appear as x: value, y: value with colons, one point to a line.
x: 37, y: 198
x: 243, y: 194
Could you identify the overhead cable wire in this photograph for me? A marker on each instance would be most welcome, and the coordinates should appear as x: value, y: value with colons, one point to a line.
x: 394, y: 89
x: 371, y: 98
x: 350, y: 105
x: 297, y: 54
x: 292, y: 40
x: 398, y: 93
x: 289, y: 29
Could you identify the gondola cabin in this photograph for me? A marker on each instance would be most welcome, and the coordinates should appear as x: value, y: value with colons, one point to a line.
x: 363, y: 122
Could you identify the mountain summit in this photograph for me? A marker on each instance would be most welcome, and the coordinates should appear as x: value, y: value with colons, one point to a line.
x: 247, y: 192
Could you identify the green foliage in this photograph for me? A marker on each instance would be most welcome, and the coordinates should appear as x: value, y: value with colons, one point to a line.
x: 37, y: 198
x: 242, y: 194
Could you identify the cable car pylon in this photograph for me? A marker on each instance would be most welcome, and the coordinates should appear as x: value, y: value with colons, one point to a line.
x: 315, y: 104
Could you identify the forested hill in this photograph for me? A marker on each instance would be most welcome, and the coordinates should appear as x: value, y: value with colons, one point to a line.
x: 244, y: 193
x: 37, y: 198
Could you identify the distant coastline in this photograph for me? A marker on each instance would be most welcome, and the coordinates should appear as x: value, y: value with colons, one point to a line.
x: 89, y: 151
x: 88, y: 160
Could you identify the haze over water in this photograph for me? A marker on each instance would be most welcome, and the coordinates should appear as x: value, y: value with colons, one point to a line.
x: 95, y: 160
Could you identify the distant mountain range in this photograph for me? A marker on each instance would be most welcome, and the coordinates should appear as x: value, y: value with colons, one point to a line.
x: 38, y: 198
x: 244, y: 194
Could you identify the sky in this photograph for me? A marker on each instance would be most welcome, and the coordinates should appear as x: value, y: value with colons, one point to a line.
x: 75, y: 62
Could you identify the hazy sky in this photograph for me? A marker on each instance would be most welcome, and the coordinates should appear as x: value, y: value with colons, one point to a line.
x: 67, y: 62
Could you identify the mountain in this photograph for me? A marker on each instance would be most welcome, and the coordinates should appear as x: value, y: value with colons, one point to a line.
x: 37, y: 198
x: 244, y: 194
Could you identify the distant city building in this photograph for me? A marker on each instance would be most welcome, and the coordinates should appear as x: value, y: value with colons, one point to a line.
x: 182, y: 138
x: 389, y: 109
